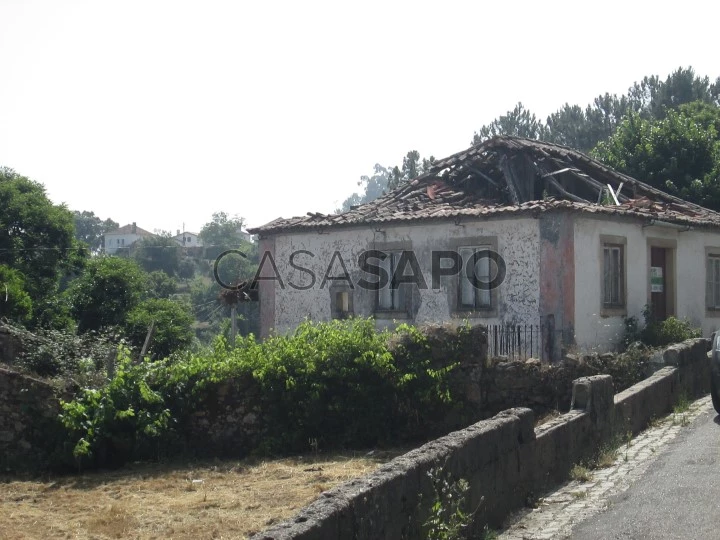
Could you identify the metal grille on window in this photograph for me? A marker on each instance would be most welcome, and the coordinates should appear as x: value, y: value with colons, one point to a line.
x: 613, y: 276
x: 471, y: 296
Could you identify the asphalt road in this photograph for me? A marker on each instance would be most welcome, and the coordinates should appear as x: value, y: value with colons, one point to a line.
x: 678, y: 497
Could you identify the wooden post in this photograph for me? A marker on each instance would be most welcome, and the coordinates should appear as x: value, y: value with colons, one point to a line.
x: 148, y: 339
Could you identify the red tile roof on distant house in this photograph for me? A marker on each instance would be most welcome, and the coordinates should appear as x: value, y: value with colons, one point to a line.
x: 130, y: 229
x: 511, y: 176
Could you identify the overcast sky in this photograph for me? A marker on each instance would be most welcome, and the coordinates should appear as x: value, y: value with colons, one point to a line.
x: 165, y: 111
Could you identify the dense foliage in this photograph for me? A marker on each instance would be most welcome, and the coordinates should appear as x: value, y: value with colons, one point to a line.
x: 91, y: 230
x: 679, y: 153
x: 655, y: 333
x: 341, y: 383
x: 106, y: 292
x: 122, y: 419
x: 160, y: 285
x: 158, y: 253
x: 15, y: 302
x: 173, y: 326
x: 79, y: 358
x: 36, y: 242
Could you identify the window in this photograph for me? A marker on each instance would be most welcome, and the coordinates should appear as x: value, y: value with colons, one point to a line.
x: 472, y: 294
x: 390, y: 296
x: 712, y: 292
x: 613, y: 295
x: 123, y: 242
x: 341, y: 303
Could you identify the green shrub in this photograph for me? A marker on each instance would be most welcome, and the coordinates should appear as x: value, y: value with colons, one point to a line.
x: 449, y: 517
x: 51, y: 353
x: 337, y: 383
x: 658, y: 333
x: 173, y: 326
x: 124, y: 419
x: 671, y: 330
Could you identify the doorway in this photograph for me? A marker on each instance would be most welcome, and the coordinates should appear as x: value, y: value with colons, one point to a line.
x: 661, y: 282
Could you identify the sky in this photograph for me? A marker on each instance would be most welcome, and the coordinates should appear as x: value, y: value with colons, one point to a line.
x: 162, y: 112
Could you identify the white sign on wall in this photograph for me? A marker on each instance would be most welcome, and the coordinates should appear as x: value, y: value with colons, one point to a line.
x: 656, y: 279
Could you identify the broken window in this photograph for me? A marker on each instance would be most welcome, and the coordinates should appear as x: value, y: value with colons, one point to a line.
x: 712, y: 292
x: 475, y: 293
x: 613, y: 276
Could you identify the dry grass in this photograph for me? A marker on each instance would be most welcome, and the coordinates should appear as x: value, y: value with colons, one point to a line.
x: 580, y: 473
x: 220, y: 500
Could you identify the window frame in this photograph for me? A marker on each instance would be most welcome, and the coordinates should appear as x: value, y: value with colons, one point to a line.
x: 404, y: 291
x: 619, y: 307
x: 477, y: 305
x: 454, y: 283
x: 712, y: 309
x: 396, y: 296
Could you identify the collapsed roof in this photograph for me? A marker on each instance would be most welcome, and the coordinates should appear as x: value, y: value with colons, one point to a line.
x: 507, y: 176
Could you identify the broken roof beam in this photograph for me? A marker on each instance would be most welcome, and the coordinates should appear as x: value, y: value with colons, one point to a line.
x: 584, y: 177
x: 507, y: 173
x: 483, y: 175
x: 554, y: 183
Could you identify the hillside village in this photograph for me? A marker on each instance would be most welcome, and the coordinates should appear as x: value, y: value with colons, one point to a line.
x: 521, y: 297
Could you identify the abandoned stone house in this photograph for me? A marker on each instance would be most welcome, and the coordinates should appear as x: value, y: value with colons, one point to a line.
x: 582, y: 246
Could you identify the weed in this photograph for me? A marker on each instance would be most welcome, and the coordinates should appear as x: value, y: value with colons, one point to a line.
x: 683, y: 403
x: 449, y: 517
x: 489, y: 534
x: 581, y: 473
x: 580, y: 494
x: 606, y: 457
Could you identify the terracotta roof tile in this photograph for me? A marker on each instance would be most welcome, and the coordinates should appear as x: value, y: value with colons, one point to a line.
x: 480, y: 182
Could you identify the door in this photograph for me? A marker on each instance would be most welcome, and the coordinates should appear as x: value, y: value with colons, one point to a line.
x: 658, y: 282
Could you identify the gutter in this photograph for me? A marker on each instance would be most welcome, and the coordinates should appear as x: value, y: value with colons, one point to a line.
x: 667, y: 224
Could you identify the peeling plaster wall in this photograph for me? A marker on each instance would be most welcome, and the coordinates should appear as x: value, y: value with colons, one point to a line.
x: 593, y: 331
x: 517, y: 299
x: 557, y: 278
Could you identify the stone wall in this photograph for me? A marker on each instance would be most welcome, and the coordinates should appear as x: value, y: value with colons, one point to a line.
x: 9, y: 346
x: 29, y: 410
x: 505, y: 459
x: 229, y: 421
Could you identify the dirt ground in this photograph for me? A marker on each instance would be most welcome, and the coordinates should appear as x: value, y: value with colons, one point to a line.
x: 208, y: 500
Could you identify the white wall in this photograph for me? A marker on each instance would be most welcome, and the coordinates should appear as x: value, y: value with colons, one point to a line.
x: 595, y: 332
x: 518, y: 243
x: 111, y: 241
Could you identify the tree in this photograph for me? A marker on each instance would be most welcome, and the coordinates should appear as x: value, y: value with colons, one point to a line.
x: 36, y: 238
x: 91, y: 229
x: 519, y: 122
x: 158, y: 252
x: 173, y: 326
x: 373, y: 187
x: 15, y: 302
x: 223, y: 232
x: 160, y: 285
x: 679, y: 154
x: 186, y: 270
x: 385, y: 179
x: 584, y: 128
x: 107, y: 290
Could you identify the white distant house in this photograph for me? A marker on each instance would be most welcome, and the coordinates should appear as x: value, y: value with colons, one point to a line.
x: 188, y: 239
x: 124, y: 237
